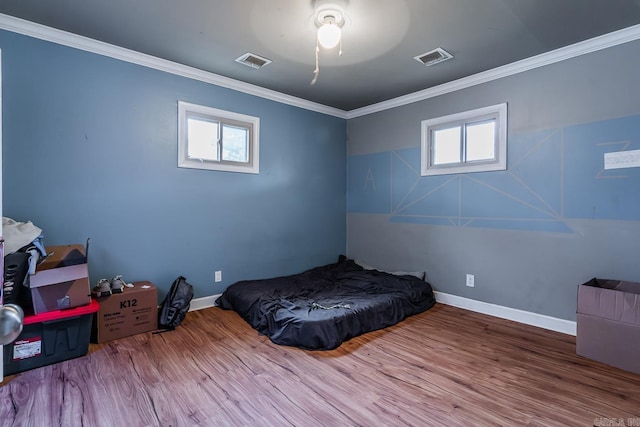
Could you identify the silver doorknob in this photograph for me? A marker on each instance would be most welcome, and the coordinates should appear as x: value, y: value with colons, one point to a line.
x: 11, y: 322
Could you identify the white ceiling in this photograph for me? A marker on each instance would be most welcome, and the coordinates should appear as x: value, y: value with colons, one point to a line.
x: 380, y: 39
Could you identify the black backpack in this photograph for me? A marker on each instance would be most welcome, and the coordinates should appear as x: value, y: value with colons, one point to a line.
x: 175, y: 306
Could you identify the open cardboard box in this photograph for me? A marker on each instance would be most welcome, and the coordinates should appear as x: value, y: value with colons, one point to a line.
x: 608, y: 323
x: 61, y: 280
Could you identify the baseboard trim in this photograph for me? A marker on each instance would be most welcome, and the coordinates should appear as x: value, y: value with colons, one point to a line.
x: 204, y: 302
x: 534, y: 319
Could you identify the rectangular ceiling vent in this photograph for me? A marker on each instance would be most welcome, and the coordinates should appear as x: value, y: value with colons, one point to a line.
x: 433, y: 57
x: 252, y: 60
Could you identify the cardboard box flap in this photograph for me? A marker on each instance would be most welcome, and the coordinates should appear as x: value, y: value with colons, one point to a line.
x: 610, y: 299
x: 63, y: 256
x: 59, y: 275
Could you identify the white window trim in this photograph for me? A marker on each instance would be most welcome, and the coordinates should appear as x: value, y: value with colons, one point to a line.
x: 500, y: 163
x: 254, y: 149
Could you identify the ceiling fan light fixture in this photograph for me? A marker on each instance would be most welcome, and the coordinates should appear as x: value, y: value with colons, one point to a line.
x: 329, y: 19
x: 329, y: 33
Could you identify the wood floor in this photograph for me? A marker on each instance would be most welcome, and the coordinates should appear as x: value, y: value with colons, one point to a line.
x: 444, y: 367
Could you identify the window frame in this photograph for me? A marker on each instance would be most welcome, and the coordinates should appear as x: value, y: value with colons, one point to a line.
x: 499, y: 162
x: 222, y: 117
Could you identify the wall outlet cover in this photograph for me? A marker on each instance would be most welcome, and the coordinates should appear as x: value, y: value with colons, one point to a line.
x: 470, y: 280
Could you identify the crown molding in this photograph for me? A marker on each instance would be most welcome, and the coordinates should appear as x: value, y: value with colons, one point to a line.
x: 42, y: 32
x: 581, y: 48
x: 64, y: 38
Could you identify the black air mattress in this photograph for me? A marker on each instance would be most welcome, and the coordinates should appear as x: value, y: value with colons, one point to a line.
x: 325, y: 306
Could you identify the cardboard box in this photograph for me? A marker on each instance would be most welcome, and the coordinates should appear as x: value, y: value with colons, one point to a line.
x: 608, y: 323
x: 50, y: 337
x: 132, y: 312
x: 61, y: 280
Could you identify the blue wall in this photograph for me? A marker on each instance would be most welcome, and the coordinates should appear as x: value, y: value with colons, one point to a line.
x: 90, y: 150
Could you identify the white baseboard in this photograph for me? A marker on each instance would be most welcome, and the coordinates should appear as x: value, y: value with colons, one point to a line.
x: 534, y: 319
x: 204, y: 302
x: 540, y: 320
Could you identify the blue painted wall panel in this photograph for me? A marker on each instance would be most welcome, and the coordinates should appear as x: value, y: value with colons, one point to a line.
x: 406, y: 171
x: 539, y: 171
x: 90, y: 150
x: 553, y: 175
x: 369, y: 186
x: 591, y: 191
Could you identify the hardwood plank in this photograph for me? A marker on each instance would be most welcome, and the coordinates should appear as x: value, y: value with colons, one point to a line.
x: 447, y: 366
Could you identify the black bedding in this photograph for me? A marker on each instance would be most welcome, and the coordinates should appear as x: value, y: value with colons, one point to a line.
x: 325, y: 306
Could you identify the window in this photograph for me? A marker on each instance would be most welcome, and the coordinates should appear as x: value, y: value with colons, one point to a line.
x: 214, y: 139
x: 472, y: 141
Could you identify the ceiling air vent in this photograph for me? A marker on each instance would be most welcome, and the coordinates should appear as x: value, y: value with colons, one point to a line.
x: 433, y: 57
x: 252, y: 60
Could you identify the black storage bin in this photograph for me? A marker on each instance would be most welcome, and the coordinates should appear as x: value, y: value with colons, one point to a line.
x: 50, y: 337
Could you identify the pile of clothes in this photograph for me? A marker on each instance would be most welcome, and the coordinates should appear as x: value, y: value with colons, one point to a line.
x: 24, y: 249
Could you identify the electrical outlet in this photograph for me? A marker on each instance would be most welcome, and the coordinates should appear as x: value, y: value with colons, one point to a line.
x: 218, y: 276
x: 470, y: 280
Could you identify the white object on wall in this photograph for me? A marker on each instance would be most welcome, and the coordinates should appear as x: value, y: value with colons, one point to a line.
x: 622, y: 159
